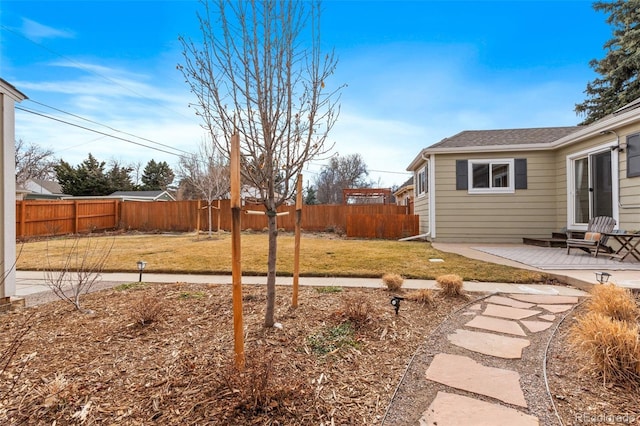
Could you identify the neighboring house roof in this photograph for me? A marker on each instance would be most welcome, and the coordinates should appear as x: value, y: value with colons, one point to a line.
x: 407, y: 186
x: 143, y: 195
x: 476, y: 138
x: 41, y: 186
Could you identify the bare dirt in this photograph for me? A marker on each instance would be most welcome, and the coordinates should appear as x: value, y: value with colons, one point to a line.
x: 338, y: 360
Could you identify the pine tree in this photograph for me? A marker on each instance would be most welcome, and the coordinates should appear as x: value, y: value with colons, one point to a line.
x: 619, y: 83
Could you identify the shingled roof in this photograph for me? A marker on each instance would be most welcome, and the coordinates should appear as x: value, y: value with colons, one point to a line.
x: 471, y: 138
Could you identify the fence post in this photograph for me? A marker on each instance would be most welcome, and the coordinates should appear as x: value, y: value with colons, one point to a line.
x: 75, y: 217
x: 116, y: 215
x: 23, y: 217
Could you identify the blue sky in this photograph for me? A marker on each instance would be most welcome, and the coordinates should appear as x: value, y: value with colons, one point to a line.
x: 416, y: 72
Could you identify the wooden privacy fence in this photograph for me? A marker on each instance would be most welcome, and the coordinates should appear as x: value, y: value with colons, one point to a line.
x: 37, y: 218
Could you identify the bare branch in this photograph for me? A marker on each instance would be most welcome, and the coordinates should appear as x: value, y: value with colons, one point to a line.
x: 74, y: 271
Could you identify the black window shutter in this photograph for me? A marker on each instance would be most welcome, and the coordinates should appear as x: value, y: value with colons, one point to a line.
x: 462, y: 180
x: 521, y: 173
x: 633, y: 155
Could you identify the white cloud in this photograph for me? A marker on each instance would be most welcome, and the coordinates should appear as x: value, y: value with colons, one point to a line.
x: 120, y: 100
x: 37, y: 31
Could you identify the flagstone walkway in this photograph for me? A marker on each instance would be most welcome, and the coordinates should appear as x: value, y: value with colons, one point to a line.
x: 483, y: 366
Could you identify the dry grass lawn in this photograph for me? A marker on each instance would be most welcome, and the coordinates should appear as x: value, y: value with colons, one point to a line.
x: 321, y: 255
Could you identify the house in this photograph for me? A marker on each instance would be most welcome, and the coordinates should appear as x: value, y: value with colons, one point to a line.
x: 158, y: 195
x: 9, y: 95
x: 504, y: 185
x: 404, y: 194
x: 39, y: 189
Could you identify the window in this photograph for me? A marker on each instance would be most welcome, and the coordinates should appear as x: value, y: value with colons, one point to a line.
x: 421, y: 181
x: 488, y: 176
x: 633, y: 155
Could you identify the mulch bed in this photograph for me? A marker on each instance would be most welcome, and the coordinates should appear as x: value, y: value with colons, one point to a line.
x: 337, y: 359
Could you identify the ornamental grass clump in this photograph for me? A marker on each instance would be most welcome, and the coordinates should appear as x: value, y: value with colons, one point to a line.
x: 451, y: 285
x: 611, y: 348
x: 147, y: 309
x: 614, y: 302
x: 424, y: 296
x: 357, y: 310
x: 392, y: 281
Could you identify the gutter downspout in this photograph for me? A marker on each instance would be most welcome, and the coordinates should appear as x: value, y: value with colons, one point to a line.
x: 428, y: 233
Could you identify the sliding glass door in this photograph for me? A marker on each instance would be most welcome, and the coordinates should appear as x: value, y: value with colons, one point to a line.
x: 591, y: 186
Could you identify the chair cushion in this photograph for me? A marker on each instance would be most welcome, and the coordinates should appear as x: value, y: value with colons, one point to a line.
x: 592, y: 236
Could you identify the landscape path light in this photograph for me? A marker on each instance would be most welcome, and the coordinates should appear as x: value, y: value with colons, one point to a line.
x: 603, y: 277
x: 395, y: 301
x: 141, y: 265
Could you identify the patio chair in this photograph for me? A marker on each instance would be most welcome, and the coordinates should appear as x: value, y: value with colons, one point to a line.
x: 595, y: 239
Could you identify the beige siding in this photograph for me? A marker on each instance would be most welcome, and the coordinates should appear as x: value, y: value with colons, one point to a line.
x: 629, y: 202
x: 421, y: 206
x: 629, y: 188
x: 464, y: 217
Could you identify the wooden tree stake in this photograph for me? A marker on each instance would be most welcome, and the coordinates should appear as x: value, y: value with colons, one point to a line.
x: 236, y: 266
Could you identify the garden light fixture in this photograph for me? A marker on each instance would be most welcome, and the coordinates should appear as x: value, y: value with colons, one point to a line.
x: 602, y: 277
x: 141, y: 264
x: 395, y: 301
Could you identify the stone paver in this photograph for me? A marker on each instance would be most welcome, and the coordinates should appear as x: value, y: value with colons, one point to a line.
x: 496, y: 324
x: 536, y: 326
x: 545, y: 298
x: 556, y: 309
x: 461, y: 372
x: 489, y: 344
x: 508, y: 312
x: 501, y: 300
x: 449, y: 409
x: 501, y: 324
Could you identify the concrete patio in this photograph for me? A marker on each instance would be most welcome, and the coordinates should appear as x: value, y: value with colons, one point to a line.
x: 577, y: 269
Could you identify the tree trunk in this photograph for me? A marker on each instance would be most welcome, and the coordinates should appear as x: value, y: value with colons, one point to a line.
x: 269, y: 319
x: 209, y: 207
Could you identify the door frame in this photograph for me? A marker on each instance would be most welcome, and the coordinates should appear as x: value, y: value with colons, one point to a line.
x: 615, y: 182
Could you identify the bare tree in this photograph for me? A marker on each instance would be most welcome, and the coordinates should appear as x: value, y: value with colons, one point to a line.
x: 207, y: 173
x: 33, y: 162
x: 259, y: 70
x: 341, y: 172
x: 77, y: 268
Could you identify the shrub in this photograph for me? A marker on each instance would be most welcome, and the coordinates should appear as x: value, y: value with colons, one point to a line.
x: 147, y: 309
x: 424, y: 296
x: 451, y: 285
x: 612, y: 347
x: 357, y: 310
x: 259, y: 387
x: 614, y: 302
x: 392, y: 281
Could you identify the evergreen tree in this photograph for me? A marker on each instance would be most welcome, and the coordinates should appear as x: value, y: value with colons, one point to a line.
x: 310, y: 195
x: 156, y: 176
x: 86, y: 179
x: 119, y: 177
x: 619, y: 83
x: 90, y: 179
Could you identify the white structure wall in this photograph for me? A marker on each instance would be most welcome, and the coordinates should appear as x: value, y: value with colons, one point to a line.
x: 9, y: 95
